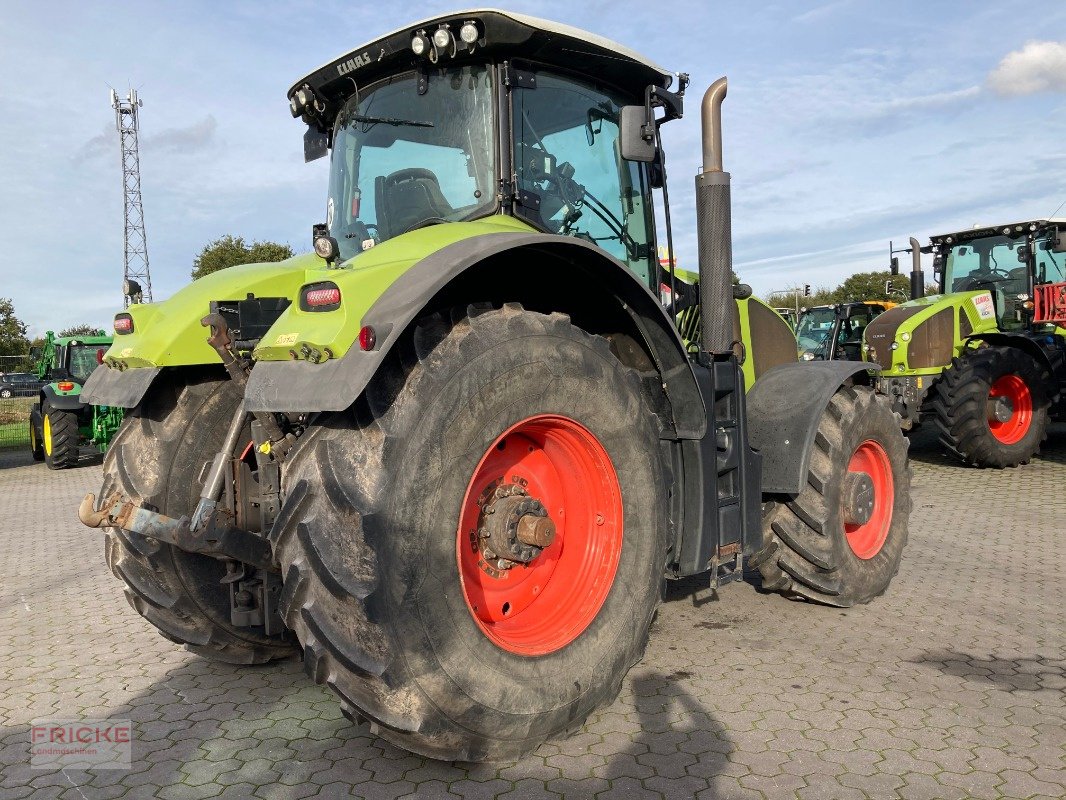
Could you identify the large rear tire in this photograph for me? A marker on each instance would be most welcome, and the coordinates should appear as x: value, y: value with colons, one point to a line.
x: 386, y: 582
x: 59, y: 438
x: 991, y: 407
x: 156, y: 459
x: 840, y: 540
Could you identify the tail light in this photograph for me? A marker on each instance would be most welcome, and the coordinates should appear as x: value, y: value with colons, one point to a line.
x: 123, y: 323
x: 65, y: 386
x: 323, y: 296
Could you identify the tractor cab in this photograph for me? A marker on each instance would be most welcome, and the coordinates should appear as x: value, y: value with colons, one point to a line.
x: 1007, y: 261
x: 484, y: 113
x: 834, y: 332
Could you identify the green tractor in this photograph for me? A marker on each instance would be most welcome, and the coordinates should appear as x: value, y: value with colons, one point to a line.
x: 61, y: 421
x: 452, y: 455
x: 986, y: 359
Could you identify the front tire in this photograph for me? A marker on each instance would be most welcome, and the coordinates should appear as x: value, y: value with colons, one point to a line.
x: 36, y: 445
x: 59, y: 438
x: 382, y: 515
x: 155, y: 459
x: 840, y: 540
x: 992, y: 406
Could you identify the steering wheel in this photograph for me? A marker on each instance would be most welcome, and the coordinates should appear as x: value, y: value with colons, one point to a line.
x: 990, y: 278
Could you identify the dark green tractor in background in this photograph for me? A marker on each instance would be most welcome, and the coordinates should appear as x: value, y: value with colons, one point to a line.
x: 834, y: 332
x: 61, y: 421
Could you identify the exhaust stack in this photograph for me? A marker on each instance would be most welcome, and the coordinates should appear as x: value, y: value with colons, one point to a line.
x: 917, y: 276
x: 714, y: 230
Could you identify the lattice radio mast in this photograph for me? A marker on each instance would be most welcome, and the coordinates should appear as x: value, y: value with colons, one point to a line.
x: 137, y: 283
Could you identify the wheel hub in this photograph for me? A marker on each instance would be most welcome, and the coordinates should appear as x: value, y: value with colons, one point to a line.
x: 513, y: 528
x: 859, y: 498
x: 1000, y: 409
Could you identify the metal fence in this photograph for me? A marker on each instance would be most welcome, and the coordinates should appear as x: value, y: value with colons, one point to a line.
x: 15, y: 410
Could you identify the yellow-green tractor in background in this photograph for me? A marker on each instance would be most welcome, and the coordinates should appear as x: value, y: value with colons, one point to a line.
x: 984, y: 359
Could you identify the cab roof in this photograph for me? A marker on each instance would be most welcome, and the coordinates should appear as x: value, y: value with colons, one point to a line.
x: 1006, y: 229
x: 504, y: 35
x: 65, y: 340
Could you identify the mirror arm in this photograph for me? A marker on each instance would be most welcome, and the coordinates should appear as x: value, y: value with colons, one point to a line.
x: 673, y: 103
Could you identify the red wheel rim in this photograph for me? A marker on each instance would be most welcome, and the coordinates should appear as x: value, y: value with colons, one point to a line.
x: 867, y: 538
x: 540, y: 607
x: 1013, y: 389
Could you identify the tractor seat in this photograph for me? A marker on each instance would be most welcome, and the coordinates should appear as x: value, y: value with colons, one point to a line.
x: 407, y: 197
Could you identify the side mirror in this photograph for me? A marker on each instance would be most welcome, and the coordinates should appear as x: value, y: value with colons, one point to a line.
x: 938, y: 265
x: 1023, y: 254
x: 631, y: 142
x: 1058, y: 244
x: 316, y: 144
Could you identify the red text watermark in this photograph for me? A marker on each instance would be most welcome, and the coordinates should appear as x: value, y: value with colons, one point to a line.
x: 81, y: 744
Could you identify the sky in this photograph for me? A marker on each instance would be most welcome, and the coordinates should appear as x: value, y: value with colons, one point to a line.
x: 848, y: 123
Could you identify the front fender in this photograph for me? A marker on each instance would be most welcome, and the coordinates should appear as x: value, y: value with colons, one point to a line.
x: 1022, y: 342
x: 335, y: 384
x: 785, y: 407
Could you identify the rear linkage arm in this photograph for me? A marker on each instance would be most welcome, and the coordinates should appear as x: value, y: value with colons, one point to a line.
x: 210, y: 531
x: 213, y: 539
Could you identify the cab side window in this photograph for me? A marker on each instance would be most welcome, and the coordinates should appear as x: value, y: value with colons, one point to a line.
x: 1050, y: 267
x: 571, y: 174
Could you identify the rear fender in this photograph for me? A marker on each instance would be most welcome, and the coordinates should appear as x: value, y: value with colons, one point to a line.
x: 785, y: 407
x: 545, y: 273
x: 109, y: 386
x: 61, y: 402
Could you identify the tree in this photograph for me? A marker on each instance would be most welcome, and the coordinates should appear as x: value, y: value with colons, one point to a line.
x: 229, y: 251
x: 871, y: 286
x: 84, y: 329
x: 819, y: 297
x: 13, y: 341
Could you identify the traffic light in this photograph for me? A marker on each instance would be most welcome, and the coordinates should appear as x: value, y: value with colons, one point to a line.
x: 806, y: 290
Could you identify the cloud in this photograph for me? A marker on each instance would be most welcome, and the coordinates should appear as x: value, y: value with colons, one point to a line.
x: 193, y: 137
x: 821, y: 11
x: 937, y: 100
x: 182, y: 140
x: 1037, y: 67
x: 97, y: 146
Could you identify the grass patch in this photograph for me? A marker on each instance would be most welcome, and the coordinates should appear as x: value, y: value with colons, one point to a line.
x: 15, y: 434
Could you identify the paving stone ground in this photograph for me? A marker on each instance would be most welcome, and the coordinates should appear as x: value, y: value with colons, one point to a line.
x: 950, y: 686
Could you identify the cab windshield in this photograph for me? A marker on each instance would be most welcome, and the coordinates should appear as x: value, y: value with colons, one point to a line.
x: 814, y: 328
x: 403, y: 160
x: 84, y: 358
x: 991, y: 264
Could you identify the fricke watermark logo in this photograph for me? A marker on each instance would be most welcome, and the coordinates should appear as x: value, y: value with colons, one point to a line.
x: 81, y: 744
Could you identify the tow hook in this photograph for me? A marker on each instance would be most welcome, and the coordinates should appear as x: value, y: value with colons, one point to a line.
x: 214, y: 538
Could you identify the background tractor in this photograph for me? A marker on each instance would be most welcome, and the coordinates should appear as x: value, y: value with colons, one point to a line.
x: 981, y: 359
x: 834, y: 332
x: 452, y: 456
x: 61, y: 421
